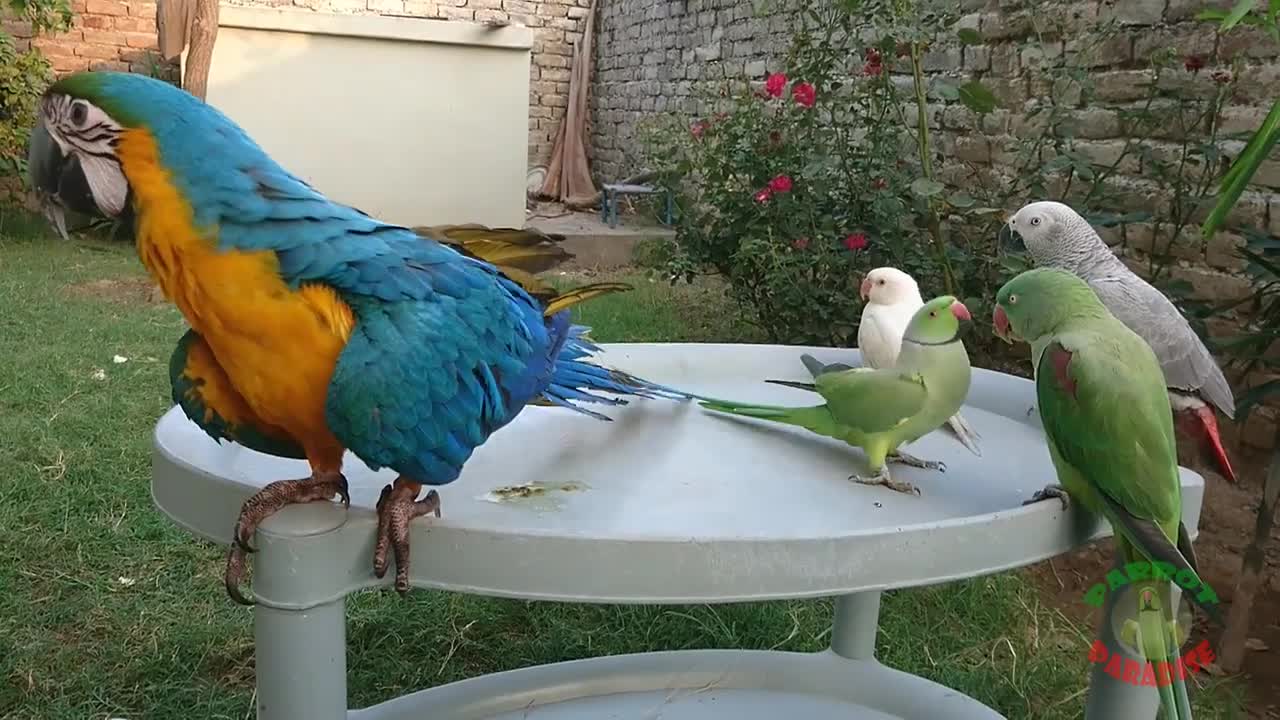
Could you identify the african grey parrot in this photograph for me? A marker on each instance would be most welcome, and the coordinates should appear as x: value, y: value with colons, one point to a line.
x: 1056, y: 236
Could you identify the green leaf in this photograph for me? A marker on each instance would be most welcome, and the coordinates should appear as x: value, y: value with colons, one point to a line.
x: 977, y: 97
x: 969, y: 36
x: 1237, y: 13
x: 961, y: 200
x: 1242, y: 170
x: 924, y: 187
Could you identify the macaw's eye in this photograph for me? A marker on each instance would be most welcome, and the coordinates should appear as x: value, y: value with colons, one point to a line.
x: 79, y: 113
x: 1035, y: 221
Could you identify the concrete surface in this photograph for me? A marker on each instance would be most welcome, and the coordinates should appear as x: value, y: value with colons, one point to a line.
x: 593, y: 243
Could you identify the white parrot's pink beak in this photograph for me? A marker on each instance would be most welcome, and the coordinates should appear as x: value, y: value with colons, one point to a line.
x: 865, y: 289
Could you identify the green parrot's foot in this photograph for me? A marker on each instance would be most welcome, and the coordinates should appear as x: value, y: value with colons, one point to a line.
x: 1051, y: 491
x: 397, y: 507
x: 266, y: 502
x: 913, y: 461
x: 883, y: 478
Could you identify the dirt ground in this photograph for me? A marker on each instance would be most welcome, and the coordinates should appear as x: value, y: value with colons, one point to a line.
x: 1226, y: 526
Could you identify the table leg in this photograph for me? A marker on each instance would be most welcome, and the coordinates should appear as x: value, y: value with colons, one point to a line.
x: 854, y: 625
x: 301, y: 662
x: 1110, y: 697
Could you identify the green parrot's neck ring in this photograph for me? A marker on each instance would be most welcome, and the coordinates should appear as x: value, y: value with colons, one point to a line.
x: 954, y: 339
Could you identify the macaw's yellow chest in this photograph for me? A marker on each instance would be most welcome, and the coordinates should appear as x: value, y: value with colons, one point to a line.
x: 278, y: 346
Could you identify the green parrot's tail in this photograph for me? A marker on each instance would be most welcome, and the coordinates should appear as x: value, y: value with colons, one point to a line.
x: 1149, y: 542
x: 817, y: 418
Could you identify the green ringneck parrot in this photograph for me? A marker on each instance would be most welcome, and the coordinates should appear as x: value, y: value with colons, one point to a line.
x: 879, y: 410
x: 1109, y: 428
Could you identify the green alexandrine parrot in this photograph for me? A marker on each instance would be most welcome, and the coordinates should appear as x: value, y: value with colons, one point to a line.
x: 879, y: 410
x: 1109, y: 427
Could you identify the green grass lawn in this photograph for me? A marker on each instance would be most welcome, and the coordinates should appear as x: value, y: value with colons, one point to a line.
x: 108, y: 610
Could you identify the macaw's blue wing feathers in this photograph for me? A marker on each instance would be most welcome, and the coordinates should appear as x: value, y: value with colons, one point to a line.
x: 205, y: 394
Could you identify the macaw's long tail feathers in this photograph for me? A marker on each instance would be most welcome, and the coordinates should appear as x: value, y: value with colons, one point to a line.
x: 1209, y: 423
x: 582, y: 294
x: 1149, y: 541
x: 816, y: 418
x: 575, y: 380
x: 792, y: 384
x: 527, y: 249
x: 816, y: 368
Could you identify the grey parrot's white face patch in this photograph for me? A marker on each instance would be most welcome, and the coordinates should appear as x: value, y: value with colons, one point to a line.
x: 84, y: 130
x: 1037, y: 223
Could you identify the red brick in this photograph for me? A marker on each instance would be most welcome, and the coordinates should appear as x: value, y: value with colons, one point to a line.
x: 143, y: 9
x: 141, y: 40
x: 64, y: 64
x: 97, y: 22
x: 109, y: 65
x: 16, y: 28
x: 103, y: 37
x: 136, y: 56
x: 55, y: 48
x: 135, y: 24
x: 77, y: 6
x: 106, y: 7
x: 98, y: 52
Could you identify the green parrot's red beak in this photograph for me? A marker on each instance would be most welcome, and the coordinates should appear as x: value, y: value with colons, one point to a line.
x: 1001, y: 322
x: 960, y: 311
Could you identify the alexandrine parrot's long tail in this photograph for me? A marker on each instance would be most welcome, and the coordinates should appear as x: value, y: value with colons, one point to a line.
x: 575, y: 379
x: 816, y: 418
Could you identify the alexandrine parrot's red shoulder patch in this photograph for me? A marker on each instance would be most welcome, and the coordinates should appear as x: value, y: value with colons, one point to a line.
x: 1060, y: 360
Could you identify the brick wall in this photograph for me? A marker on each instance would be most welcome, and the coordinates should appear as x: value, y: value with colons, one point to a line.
x: 105, y: 35
x: 121, y: 35
x: 657, y: 55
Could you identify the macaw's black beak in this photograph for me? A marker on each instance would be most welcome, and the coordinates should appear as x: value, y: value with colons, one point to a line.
x: 1010, y: 241
x: 58, y: 180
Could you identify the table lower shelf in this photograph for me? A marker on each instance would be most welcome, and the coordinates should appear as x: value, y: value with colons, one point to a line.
x: 690, y: 685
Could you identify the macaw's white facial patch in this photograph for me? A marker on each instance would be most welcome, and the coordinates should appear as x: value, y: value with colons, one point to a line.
x: 107, y: 182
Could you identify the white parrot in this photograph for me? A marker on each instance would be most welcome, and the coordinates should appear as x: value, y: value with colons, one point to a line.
x: 892, y: 297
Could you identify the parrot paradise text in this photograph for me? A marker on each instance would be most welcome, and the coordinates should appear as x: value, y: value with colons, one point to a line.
x: 1138, y: 571
x: 1128, y: 670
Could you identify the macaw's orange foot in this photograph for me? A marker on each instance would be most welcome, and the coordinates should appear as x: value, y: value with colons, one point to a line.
x: 397, y: 507
x: 268, y: 500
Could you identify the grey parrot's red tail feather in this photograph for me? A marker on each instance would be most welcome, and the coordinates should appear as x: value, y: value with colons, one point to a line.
x: 1209, y: 422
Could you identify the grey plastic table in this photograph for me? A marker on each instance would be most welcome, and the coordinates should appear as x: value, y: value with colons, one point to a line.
x: 668, y: 504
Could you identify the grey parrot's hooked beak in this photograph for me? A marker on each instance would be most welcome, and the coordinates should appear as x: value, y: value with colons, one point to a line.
x: 1009, y: 240
x: 58, y: 180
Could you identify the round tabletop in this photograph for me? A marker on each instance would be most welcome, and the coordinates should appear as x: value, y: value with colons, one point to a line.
x: 673, y: 503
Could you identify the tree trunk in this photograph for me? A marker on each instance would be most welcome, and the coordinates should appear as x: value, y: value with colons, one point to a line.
x: 1253, y: 567
x: 204, y: 31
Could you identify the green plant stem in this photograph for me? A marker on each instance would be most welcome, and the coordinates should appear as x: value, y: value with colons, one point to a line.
x: 926, y: 165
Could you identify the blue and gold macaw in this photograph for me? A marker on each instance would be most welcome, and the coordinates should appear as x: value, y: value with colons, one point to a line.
x: 314, y: 327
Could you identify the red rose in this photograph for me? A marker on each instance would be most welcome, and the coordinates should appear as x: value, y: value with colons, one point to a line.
x: 856, y: 241
x: 879, y: 184
x: 1193, y: 63
x: 872, y: 69
x: 873, y: 56
x: 698, y: 128
x: 774, y: 84
x: 804, y: 94
x: 800, y: 243
x: 780, y: 184
x: 762, y: 196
